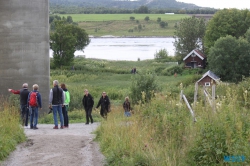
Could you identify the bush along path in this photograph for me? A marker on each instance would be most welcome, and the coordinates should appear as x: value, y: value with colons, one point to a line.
x: 47, y: 146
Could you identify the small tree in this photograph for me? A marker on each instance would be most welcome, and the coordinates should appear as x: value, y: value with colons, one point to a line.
x: 139, y: 27
x: 159, y: 19
x: 162, y: 54
x: 143, y: 87
x: 66, y: 39
x: 132, y: 18
x: 146, y: 18
x: 163, y: 24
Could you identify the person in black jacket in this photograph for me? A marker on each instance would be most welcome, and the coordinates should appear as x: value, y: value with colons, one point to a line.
x: 105, y: 105
x: 88, y: 103
x: 24, y: 93
x: 56, y: 100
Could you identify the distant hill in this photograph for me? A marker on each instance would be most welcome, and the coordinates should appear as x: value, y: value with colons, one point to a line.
x: 123, y: 4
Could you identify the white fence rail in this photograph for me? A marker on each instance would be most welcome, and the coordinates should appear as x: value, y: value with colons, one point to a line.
x: 182, y: 96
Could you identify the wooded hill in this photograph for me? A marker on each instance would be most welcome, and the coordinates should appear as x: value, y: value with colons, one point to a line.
x: 123, y: 4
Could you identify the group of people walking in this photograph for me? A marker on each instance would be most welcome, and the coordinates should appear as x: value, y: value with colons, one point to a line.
x: 59, y: 99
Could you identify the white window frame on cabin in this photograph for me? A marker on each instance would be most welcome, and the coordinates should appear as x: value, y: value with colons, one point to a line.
x: 207, y: 83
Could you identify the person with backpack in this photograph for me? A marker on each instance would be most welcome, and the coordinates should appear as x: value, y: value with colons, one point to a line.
x: 126, y: 107
x: 88, y: 103
x: 56, y: 100
x: 65, y: 105
x: 105, y: 105
x: 24, y: 93
x: 34, y: 101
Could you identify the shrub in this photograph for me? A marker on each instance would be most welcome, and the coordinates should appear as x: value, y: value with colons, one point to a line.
x: 143, y: 87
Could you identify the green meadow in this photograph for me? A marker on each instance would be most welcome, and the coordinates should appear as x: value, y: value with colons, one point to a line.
x: 120, y: 24
x: 161, y: 131
x: 122, y: 17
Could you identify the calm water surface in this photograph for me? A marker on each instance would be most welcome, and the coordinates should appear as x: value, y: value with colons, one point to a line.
x: 126, y: 48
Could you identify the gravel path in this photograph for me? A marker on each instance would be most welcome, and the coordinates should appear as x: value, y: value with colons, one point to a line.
x: 46, y: 146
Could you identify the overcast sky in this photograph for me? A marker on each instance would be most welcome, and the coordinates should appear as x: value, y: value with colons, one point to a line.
x: 220, y: 4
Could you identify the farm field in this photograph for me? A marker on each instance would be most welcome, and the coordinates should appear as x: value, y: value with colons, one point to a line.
x: 120, y: 25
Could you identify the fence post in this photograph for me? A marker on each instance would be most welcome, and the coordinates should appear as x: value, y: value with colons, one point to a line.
x: 213, y: 98
x: 195, y: 93
x: 189, y: 107
x: 181, y: 95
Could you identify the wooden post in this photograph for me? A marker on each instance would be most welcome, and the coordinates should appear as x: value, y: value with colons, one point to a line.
x: 181, y: 95
x: 213, y: 98
x: 204, y: 95
x: 189, y: 107
x: 195, y: 93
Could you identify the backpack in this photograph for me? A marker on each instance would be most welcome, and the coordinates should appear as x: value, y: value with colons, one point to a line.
x: 33, y: 99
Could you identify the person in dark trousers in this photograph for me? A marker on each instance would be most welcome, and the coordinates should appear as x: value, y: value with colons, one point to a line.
x: 88, y: 103
x: 126, y: 107
x: 33, y: 109
x: 65, y: 105
x: 24, y: 93
x: 105, y: 105
x: 56, y: 100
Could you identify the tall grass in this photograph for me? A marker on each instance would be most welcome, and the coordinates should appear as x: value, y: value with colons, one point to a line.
x: 162, y: 132
x: 11, y: 133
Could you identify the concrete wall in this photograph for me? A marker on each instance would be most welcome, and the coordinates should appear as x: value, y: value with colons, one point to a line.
x: 24, y: 46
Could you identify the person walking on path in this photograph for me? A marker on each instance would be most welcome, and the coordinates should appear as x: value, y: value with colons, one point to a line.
x: 24, y: 93
x: 65, y: 105
x: 56, y: 100
x: 33, y: 102
x: 88, y: 103
x: 105, y: 105
x: 126, y: 107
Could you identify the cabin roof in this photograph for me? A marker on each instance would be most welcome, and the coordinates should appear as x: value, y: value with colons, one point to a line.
x: 197, y: 53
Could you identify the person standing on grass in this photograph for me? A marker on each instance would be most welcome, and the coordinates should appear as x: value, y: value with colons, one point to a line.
x: 88, y: 103
x: 105, y: 105
x: 65, y: 105
x: 24, y: 93
x: 126, y: 107
x: 56, y: 100
x: 33, y: 102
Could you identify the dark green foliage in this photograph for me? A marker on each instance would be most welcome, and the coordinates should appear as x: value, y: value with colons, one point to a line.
x: 65, y: 40
x: 146, y: 18
x: 171, y: 71
x: 132, y: 18
x: 159, y: 19
x: 142, y: 9
x: 143, y: 87
x: 230, y: 58
x: 225, y: 22
x: 163, y: 24
x: 189, y: 35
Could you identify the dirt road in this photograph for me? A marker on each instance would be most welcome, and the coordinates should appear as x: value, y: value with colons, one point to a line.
x: 73, y: 146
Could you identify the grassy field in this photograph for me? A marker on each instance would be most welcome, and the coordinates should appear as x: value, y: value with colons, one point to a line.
x: 161, y: 131
x: 119, y: 24
x: 123, y: 17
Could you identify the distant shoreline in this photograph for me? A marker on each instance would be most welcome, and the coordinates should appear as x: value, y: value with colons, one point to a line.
x: 111, y: 36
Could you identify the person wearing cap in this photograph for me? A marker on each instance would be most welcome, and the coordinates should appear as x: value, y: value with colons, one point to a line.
x: 105, y: 105
x: 24, y: 93
x: 88, y: 103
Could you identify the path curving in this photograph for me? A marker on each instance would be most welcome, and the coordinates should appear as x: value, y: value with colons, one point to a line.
x: 73, y: 146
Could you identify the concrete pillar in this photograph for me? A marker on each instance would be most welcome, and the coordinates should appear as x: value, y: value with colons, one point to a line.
x: 24, y: 46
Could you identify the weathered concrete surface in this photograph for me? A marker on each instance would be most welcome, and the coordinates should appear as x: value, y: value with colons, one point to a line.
x: 24, y: 45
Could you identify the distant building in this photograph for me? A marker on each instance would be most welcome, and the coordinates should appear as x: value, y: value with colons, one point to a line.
x: 195, y: 59
x: 208, y: 78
